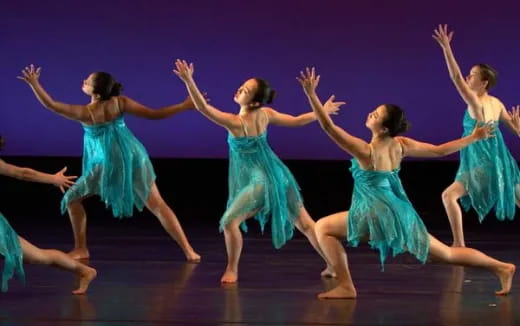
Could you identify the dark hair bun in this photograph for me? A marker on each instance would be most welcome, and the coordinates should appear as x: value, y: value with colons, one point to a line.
x: 117, y: 89
x: 106, y: 86
x: 272, y: 95
x: 2, y: 142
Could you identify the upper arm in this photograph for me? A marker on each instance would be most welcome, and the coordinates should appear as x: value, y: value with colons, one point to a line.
x: 281, y: 119
x: 70, y: 111
x: 127, y: 104
x: 227, y: 120
x: 416, y: 148
x: 356, y: 147
x: 467, y: 95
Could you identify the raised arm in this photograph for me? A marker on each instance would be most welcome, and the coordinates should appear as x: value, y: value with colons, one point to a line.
x: 58, y: 179
x: 415, y: 148
x: 511, y: 119
x: 353, y: 145
x: 31, y: 76
x: 442, y: 37
x: 137, y: 109
x: 185, y: 72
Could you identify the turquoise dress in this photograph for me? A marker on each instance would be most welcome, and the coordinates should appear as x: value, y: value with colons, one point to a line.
x: 11, y: 249
x: 381, y: 212
x: 260, y: 183
x: 116, y: 167
x: 489, y: 174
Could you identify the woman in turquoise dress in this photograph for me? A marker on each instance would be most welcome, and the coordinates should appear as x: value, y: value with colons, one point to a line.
x: 17, y: 250
x: 260, y: 185
x: 116, y: 166
x: 380, y: 211
x: 488, y: 177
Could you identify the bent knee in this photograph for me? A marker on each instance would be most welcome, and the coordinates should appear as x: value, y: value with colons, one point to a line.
x: 449, y: 195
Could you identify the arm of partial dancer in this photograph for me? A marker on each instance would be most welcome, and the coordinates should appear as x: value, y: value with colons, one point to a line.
x: 414, y: 148
x: 140, y: 110
x: 224, y: 119
x: 58, y: 179
x: 511, y: 119
x: 31, y: 76
x: 287, y: 120
x: 442, y: 37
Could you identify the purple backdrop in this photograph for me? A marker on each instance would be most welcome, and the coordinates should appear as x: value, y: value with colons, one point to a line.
x: 368, y: 53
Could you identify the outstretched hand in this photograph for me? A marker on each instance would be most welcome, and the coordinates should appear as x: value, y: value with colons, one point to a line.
x: 63, y: 181
x: 30, y: 74
x: 332, y: 107
x: 484, y: 131
x: 183, y: 70
x: 442, y: 36
x: 309, y: 80
x: 515, y: 117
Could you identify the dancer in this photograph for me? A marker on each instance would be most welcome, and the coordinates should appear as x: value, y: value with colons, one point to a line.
x: 116, y: 166
x: 260, y: 185
x: 380, y: 211
x: 16, y: 249
x: 488, y: 177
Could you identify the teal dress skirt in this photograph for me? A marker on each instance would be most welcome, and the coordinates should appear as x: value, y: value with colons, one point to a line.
x: 489, y: 174
x: 261, y: 185
x: 11, y: 250
x: 116, y: 167
x: 382, y: 213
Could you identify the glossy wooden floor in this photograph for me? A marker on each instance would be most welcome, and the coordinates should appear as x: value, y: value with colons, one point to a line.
x: 143, y: 280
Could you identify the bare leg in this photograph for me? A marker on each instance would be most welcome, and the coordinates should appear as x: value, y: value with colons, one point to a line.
x: 170, y: 223
x: 78, y: 221
x: 305, y: 224
x: 35, y: 255
x: 449, y: 198
x: 234, y: 244
x: 474, y: 258
x: 329, y: 231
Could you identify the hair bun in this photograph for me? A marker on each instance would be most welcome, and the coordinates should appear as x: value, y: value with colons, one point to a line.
x: 271, y: 96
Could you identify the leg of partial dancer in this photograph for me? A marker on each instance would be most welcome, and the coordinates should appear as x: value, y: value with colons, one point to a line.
x: 306, y: 225
x: 473, y: 258
x: 450, y: 197
x: 170, y: 223
x: 35, y: 255
x: 78, y: 221
x: 329, y: 231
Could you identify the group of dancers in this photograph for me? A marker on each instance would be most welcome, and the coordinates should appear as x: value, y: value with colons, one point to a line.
x: 117, y: 168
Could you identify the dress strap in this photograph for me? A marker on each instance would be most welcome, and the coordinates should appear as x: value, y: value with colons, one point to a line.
x: 244, y: 127
x: 89, y: 109
x: 372, y: 160
x: 117, y: 106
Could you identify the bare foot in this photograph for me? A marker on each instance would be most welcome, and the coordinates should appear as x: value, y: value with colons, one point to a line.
x: 85, y: 278
x: 193, y: 257
x: 339, y: 292
x: 505, y: 275
x: 79, y: 253
x: 328, y: 272
x: 229, y: 277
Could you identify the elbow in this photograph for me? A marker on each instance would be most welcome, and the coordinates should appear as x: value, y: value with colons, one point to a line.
x: 456, y: 77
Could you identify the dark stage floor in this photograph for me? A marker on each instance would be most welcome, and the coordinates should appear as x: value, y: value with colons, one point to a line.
x: 142, y: 280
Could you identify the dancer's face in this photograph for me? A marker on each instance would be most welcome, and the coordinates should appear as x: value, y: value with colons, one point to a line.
x: 474, y: 79
x: 88, y: 85
x: 376, y: 118
x: 246, y: 92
